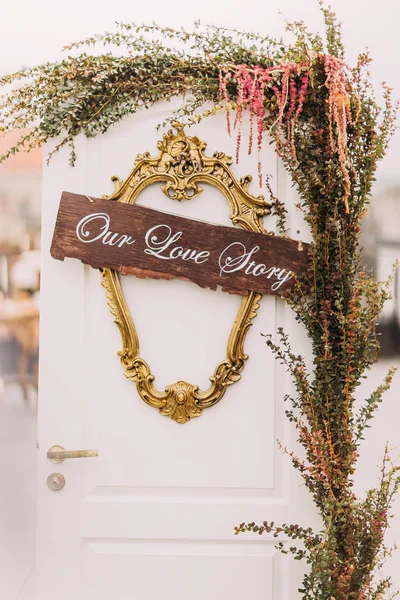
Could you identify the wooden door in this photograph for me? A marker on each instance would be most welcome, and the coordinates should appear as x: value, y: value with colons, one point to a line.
x: 153, y: 516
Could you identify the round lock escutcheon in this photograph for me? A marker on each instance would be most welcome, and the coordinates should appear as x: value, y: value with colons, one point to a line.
x: 56, y: 482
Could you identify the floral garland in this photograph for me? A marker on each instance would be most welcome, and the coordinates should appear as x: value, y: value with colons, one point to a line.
x: 251, y: 84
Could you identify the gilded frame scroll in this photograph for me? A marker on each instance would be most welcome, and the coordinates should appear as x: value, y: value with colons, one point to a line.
x: 180, y: 166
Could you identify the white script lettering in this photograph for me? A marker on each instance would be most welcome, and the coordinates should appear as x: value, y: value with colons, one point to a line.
x: 235, y: 257
x: 159, y: 240
x: 88, y: 235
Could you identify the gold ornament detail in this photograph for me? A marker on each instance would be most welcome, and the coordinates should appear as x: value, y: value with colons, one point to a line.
x: 180, y: 167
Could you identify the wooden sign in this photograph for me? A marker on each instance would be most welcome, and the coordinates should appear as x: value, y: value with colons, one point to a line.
x: 144, y: 242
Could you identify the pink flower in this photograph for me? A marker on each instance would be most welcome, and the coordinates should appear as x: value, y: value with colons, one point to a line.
x: 251, y: 85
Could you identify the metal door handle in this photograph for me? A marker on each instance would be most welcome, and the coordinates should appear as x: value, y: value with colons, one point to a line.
x: 57, y: 454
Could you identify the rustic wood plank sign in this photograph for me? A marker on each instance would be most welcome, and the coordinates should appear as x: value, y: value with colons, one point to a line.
x: 144, y: 242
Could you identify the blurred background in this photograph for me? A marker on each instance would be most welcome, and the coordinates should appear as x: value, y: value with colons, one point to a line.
x: 20, y: 207
x: 33, y: 32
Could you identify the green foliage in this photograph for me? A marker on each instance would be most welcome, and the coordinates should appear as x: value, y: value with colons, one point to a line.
x: 330, y: 134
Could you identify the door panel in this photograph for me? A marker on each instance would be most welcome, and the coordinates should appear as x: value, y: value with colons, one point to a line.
x: 153, y: 515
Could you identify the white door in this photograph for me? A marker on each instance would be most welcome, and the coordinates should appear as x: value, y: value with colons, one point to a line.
x: 153, y: 516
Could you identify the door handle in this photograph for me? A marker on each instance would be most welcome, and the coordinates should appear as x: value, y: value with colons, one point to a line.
x: 57, y: 454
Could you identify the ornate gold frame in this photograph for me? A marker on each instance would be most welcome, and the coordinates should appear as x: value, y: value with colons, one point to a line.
x: 180, y: 166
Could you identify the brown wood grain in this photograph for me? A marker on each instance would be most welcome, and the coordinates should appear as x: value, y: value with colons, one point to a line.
x: 268, y: 269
